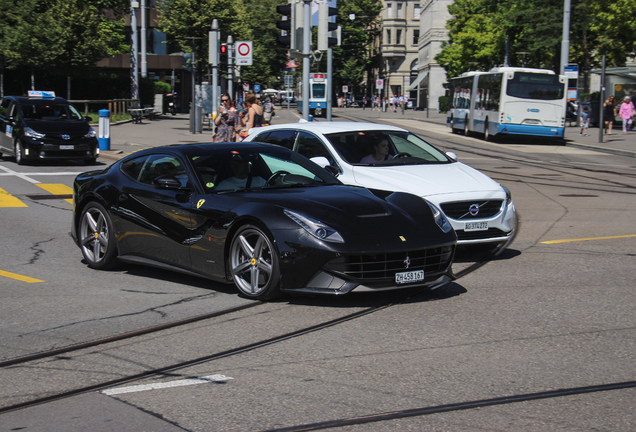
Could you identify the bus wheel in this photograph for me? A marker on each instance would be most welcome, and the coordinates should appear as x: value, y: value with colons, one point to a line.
x: 452, y: 125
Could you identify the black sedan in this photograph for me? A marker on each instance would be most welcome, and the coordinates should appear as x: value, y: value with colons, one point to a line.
x: 40, y: 127
x: 258, y: 215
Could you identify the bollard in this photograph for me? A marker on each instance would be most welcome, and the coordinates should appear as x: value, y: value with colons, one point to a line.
x: 104, y: 129
x: 311, y: 118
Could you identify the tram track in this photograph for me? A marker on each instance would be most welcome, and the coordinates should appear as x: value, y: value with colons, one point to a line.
x: 396, y: 297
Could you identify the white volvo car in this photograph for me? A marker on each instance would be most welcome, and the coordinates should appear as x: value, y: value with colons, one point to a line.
x: 479, y: 209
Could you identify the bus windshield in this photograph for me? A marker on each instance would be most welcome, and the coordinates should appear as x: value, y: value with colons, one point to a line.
x: 535, y: 86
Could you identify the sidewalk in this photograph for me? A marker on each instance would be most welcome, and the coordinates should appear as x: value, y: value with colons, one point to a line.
x: 129, y: 137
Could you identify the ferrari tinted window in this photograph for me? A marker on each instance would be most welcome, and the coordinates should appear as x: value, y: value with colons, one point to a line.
x: 133, y: 167
x: 161, y: 165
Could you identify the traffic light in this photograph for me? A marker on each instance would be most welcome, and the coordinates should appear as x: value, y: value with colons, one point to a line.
x: 223, y: 58
x: 325, y: 26
x: 286, y: 24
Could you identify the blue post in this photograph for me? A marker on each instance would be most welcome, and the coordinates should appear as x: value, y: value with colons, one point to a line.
x: 104, y: 130
x: 311, y: 118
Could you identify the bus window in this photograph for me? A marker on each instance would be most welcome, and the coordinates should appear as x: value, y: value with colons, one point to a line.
x: 535, y: 86
x: 318, y: 91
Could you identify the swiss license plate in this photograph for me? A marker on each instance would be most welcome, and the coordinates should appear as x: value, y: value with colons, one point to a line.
x: 476, y: 226
x: 409, y: 277
x: 67, y: 147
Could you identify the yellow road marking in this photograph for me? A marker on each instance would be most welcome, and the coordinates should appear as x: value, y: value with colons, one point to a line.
x: 7, y: 200
x: 19, y: 277
x: 587, y: 239
x: 58, y: 189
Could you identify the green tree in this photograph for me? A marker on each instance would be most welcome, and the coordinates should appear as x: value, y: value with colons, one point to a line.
x: 253, y: 20
x: 355, y: 55
x: 479, y: 30
x: 60, y: 33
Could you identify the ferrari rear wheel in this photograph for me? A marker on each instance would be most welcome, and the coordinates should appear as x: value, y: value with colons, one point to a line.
x: 97, y: 237
x: 254, y: 264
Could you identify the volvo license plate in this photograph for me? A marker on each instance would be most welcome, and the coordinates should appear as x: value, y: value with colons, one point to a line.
x: 476, y: 226
x: 409, y: 277
x: 67, y: 147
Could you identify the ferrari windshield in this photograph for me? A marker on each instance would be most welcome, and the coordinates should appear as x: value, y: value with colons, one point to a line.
x: 241, y: 167
x: 377, y: 148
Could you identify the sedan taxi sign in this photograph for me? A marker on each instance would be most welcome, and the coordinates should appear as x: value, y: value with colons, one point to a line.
x: 41, y: 94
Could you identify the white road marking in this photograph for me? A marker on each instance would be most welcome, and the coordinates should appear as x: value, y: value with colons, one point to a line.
x: 218, y: 378
x: 27, y: 176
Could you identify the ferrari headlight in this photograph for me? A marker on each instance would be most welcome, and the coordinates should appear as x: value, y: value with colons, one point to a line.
x: 440, y: 218
x: 32, y: 134
x: 508, y: 194
x: 315, y: 228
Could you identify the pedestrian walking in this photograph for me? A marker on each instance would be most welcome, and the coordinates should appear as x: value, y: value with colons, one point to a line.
x: 268, y: 111
x: 364, y: 102
x: 609, y: 113
x: 402, y: 103
x: 626, y: 113
x: 585, y: 121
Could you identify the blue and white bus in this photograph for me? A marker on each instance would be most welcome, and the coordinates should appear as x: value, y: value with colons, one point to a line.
x: 317, y: 95
x: 507, y: 100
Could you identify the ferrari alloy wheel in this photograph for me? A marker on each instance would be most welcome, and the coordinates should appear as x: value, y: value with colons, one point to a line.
x: 254, y: 264
x: 96, y: 236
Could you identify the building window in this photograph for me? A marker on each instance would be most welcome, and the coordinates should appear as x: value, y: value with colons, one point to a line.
x: 388, y: 36
x: 399, y: 10
x: 399, y: 37
x: 416, y: 11
x: 389, y: 10
x: 416, y: 36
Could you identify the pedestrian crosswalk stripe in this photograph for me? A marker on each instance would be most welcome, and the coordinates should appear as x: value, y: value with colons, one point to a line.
x: 57, y: 189
x: 7, y: 200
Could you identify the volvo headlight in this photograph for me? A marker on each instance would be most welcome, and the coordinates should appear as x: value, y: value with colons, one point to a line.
x: 91, y: 133
x: 315, y: 228
x: 440, y: 218
x: 508, y: 195
x: 32, y: 134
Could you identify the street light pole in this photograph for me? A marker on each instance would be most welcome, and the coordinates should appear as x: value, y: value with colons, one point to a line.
x: 600, y: 105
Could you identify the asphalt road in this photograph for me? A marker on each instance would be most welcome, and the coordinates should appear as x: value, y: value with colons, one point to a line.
x: 554, y: 312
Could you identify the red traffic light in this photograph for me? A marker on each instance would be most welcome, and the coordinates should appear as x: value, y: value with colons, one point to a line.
x: 223, y: 48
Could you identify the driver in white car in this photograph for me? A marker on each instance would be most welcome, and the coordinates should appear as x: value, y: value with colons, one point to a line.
x: 380, y: 153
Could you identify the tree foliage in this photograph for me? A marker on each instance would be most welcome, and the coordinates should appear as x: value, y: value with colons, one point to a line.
x: 253, y: 20
x: 60, y: 34
x: 534, y: 28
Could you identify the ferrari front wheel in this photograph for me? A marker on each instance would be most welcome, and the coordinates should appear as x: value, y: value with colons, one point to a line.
x: 97, y: 237
x: 254, y: 264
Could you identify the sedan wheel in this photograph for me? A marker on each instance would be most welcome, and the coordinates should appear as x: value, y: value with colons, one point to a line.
x: 97, y: 238
x: 254, y: 264
x: 19, y: 152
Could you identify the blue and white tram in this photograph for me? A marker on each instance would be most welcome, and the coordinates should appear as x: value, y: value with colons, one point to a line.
x: 317, y: 95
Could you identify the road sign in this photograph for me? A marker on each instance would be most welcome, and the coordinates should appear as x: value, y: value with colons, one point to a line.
x: 257, y: 88
x: 345, y: 89
x: 246, y: 87
x: 571, y: 71
x: 244, y: 53
x: 379, y: 84
x: 289, y: 80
